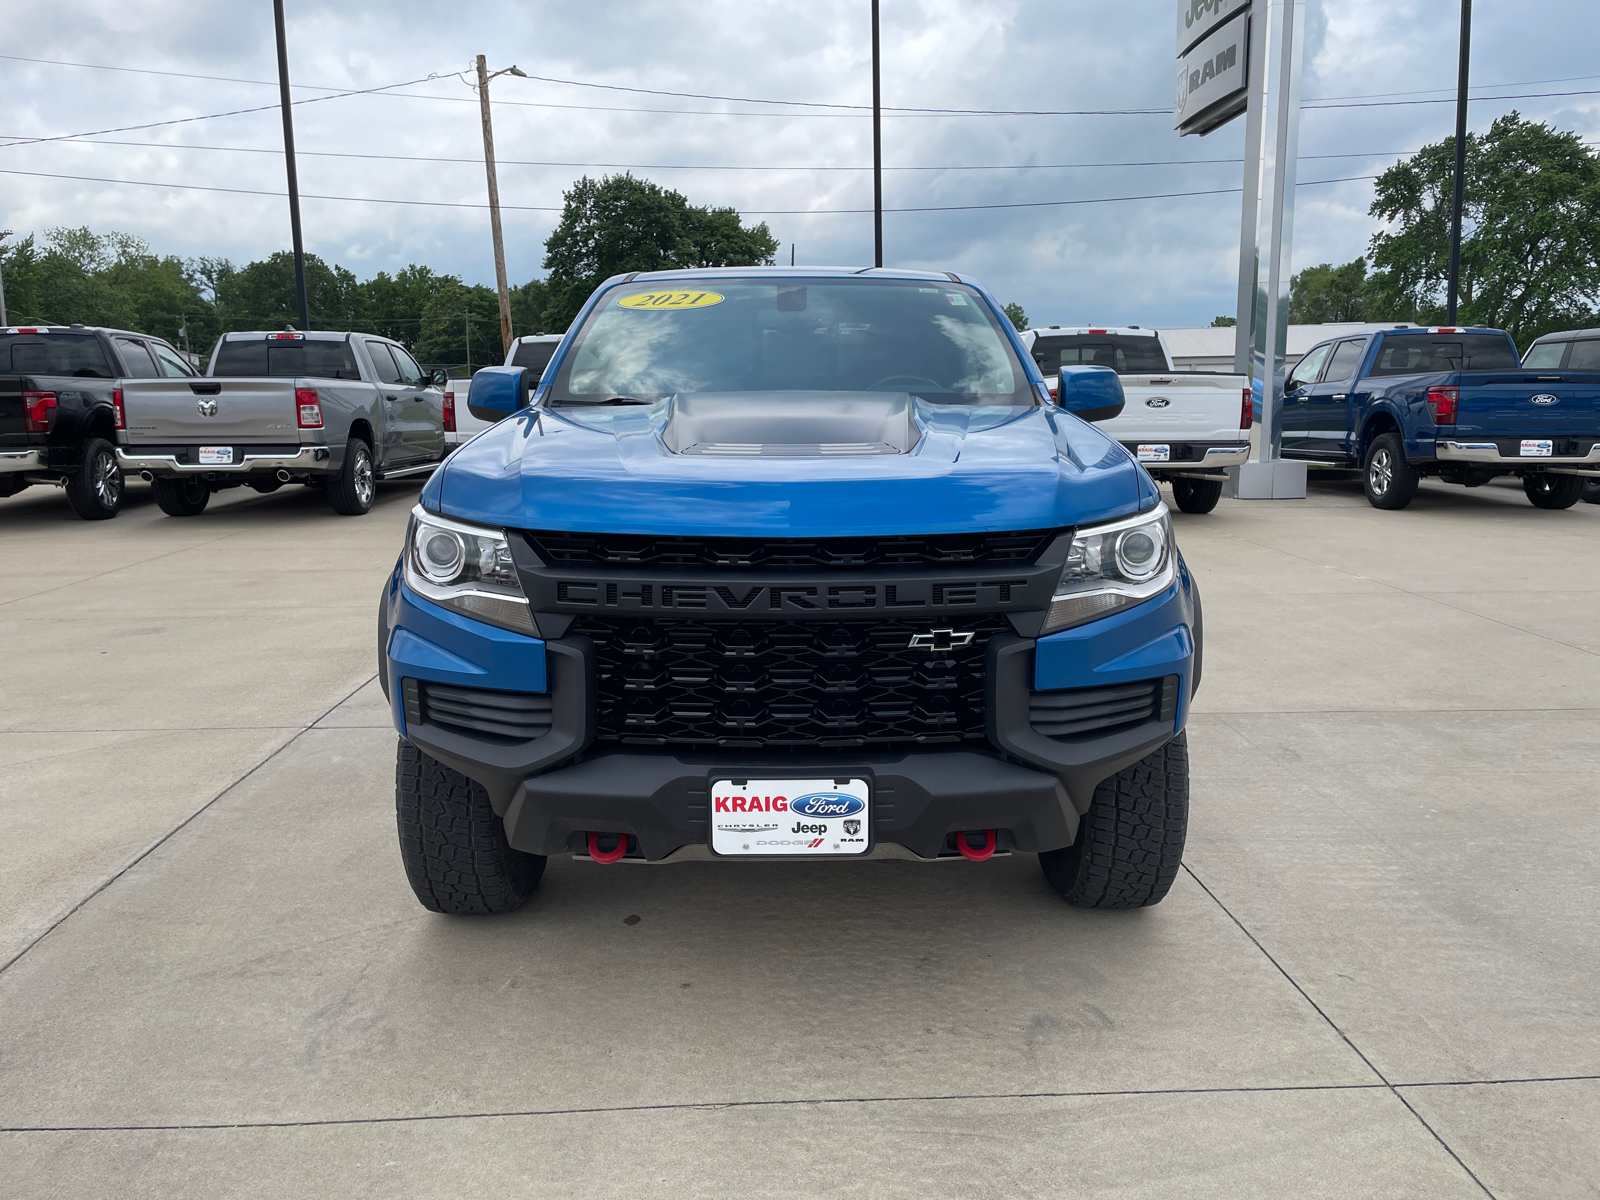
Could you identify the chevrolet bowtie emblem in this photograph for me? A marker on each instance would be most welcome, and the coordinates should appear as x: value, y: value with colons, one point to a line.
x: 941, y: 639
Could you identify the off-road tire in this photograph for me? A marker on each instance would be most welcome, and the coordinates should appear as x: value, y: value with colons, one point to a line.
x: 353, y: 489
x: 1389, y: 479
x: 1196, y: 495
x: 1553, y: 491
x: 181, y: 497
x: 453, y: 845
x: 95, y: 489
x: 1130, y: 842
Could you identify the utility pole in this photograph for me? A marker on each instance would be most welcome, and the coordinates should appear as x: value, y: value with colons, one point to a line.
x: 183, y: 330
x: 466, y: 317
x: 877, y: 148
x: 288, y: 158
x: 494, y: 198
x: 4, y: 234
x: 1459, y: 195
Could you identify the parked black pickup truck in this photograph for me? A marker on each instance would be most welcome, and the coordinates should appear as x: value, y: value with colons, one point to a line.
x: 61, y: 407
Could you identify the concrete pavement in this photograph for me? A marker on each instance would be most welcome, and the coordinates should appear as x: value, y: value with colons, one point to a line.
x: 1374, y: 979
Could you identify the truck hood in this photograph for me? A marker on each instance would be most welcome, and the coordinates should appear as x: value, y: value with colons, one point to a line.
x: 963, y: 468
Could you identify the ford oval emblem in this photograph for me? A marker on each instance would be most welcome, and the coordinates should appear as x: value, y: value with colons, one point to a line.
x: 1157, y: 402
x: 826, y: 804
x: 1546, y: 398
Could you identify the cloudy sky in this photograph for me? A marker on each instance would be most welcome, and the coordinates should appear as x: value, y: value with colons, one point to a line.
x: 1155, y: 261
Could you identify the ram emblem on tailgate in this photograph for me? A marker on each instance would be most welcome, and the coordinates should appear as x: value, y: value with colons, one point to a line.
x: 208, y: 408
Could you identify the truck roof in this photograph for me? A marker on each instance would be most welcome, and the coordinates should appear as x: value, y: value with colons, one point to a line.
x: 294, y: 335
x: 787, y: 273
x: 1078, y: 330
x: 78, y: 329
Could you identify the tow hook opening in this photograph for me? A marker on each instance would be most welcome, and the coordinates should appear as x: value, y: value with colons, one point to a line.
x: 975, y: 853
x: 607, y: 856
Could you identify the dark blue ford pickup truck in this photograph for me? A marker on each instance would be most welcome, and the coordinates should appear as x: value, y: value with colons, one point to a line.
x: 1452, y: 404
x: 786, y: 563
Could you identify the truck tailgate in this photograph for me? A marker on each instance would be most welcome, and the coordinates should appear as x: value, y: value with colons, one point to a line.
x: 235, y: 411
x: 1180, y: 408
x: 1543, y: 403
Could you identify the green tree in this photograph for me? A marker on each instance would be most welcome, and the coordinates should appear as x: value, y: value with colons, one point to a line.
x: 394, y: 305
x: 455, y: 312
x: 1530, y: 247
x: 1016, y: 316
x: 19, y: 269
x: 1224, y: 322
x: 620, y: 224
x: 261, y: 295
x: 528, y: 304
x: 1327, y: 293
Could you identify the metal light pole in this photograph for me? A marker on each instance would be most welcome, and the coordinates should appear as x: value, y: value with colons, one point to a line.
x: 1461, y: 165
x: 4, y: 234
x: 288, y: 157
x: 494, y: 198
x: 877, y: 148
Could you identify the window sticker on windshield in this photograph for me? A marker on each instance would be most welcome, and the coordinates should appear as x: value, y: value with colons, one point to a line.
x: 930, y: 291
x: 955, y: 298
x: 670, y: 300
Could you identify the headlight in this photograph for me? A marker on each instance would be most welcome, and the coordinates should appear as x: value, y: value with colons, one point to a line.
x: 1113, y: 566
x: 467, y: 569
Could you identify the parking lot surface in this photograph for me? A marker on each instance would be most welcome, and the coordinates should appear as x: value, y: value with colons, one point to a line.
x: 1375, y: 977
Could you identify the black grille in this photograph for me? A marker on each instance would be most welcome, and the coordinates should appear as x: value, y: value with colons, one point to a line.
x: 786, y: 684
x: 1080, y: 712
x: 518, y: 716
x: 939, y: 550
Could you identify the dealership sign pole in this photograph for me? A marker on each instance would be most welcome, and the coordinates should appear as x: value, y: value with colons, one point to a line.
x: 1242, y: 57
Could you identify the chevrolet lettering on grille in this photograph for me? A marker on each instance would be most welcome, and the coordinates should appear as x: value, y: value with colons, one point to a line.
x: 790, y: 599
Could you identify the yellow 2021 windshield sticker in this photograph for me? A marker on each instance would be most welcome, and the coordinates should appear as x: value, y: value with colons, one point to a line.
x: 660, y: 301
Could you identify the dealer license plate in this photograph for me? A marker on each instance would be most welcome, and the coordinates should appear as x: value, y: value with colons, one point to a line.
x: 1159, y: 452
x: 809, y: 818
x: 1534, y: 448
x: 216, y: 456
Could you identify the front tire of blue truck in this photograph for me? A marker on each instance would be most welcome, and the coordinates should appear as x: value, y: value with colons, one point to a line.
x: 1130, y: 842
x: 453, y: 844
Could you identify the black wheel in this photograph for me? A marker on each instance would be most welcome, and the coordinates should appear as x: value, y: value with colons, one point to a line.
x: 1197, y: 495
x: 1390, y: 480
x: 1130, y: 842
x: 1591, y: 491
x: 353, y: 489
x: 182, y: 497
x: 1553, y: 491
x: 95, y: 489
x: 453, y: 846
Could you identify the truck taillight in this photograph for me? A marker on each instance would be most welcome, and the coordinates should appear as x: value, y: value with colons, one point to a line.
x: 121, y: 416
x: 38, y: 408
x: 1443, y: 403
x: 309, y: 408
x: 449, y: 412
x: 1055, y: 394
x: 1247, y: 409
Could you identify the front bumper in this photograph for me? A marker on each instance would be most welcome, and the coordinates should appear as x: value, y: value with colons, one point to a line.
x: 552, y: 788
x: 313, y: 459
x: 32, y: 459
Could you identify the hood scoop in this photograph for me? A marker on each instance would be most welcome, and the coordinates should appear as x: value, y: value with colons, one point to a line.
x: 791, y: 424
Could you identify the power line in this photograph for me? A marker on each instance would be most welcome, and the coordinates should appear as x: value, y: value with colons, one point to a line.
x: 798, y: 212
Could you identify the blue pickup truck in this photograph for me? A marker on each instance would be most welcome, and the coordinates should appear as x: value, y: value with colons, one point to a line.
x: 1451, y: 404
x: 783, y: 564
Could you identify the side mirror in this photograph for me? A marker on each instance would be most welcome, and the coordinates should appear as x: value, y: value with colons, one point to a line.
x: 439, y: 378
x: 1091, y: 393
x: 497, y: 392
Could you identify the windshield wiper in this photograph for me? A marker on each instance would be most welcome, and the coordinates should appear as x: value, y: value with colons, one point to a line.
x: 613, y: 400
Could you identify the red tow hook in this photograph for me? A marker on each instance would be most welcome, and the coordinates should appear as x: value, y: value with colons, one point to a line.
x: 611, y: 856
x: 969, y: 851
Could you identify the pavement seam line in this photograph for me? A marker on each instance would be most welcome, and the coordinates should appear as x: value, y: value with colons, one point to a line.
x: 166, y: 837
x: 691, y: 1105
x: 1317, y: 1008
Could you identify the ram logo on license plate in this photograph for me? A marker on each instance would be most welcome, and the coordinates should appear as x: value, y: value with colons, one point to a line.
x: 810, y: 818
x: 1158, y: 452
x: 1537, y: 448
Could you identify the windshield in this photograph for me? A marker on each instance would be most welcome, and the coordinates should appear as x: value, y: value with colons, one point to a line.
x: 938, y: 341
x: 1125, y: 354
x: 318, y: 359
x: 71, y: 354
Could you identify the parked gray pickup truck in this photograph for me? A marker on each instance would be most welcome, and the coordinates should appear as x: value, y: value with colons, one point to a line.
x: 332, y: 410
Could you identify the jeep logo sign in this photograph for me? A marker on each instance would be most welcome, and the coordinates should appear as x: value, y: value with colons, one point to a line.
x: 1197, y: 18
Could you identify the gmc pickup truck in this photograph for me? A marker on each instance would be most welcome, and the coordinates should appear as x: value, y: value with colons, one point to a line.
x: 332, y: 410
x: 1448, y: 403
x: 790, y: 564
x: 61, y: 407
x: 1184, y: 426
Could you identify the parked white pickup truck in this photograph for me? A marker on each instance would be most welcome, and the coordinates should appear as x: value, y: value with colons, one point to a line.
x: 533, y: 351
x: 331, y: 410
x: 1184, y: 426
